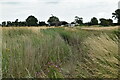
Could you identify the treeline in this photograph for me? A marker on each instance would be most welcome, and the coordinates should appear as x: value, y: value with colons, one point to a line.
x: 54, y: 21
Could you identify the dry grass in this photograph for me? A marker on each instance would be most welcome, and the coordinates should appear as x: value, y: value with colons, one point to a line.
x: 34, y: 29
x: 70, y: 29
x: 100, y: 28
x: 103, y: 51
x: 31, y: 28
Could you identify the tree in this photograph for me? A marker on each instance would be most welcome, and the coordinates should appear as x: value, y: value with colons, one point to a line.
x: 116, y: 15
x: 106, y: 22
x: 87, y: 24
x: 94, y: 21
x: 9, y: 23
x: 22, y: 23
x: 63, y: 23
x: 72, y: 22
x: 42, y: 23
x: 3, y: 24
x: 78, y: 20
x: 103, y: 22
x: 110, y: 21
x: 53, y: 21
x: 31, y: 21
x: 16, y: 22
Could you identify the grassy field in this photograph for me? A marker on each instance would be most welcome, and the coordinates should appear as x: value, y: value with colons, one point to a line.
x: 60, y: 53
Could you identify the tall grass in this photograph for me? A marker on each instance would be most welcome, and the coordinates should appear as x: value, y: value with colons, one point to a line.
x: 59, y: 53
x: 0, y: 53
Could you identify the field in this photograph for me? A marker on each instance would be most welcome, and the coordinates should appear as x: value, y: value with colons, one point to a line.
x: 60, y: 52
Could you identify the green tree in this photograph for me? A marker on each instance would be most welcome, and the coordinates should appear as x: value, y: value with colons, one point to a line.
x: 106, y: 22
x: 64, y: 23
x: 78, y: 20
x: 16, y: 22
x: 110, y: 21
x: 94, y: 21
x: 53, y: 21
x: 22, y: 23
x: 116, y: 15
x: 31, y: 21
x: 4, y: 24
x: 42, y: 23
x: 9, y: 23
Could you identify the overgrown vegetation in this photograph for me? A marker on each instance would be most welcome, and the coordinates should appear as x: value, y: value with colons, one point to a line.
x: 60, y: 53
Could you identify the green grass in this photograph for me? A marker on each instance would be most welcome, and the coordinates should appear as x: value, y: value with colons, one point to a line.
x: 0, y: 53
x: 60, y: 53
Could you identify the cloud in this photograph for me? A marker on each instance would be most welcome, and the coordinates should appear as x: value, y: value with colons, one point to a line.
x: 64, y: 9
x: 55, y: 2
x: 12, y: 3
x: 52, y: 3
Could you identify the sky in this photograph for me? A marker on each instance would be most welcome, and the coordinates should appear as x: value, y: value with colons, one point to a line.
x: 65, y: 10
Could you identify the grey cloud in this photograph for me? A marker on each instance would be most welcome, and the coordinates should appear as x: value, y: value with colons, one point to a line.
x: 64, y: 9
x: 52, y: 2
x: 12, y: 3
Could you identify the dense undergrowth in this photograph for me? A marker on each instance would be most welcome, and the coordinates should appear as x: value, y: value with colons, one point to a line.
x: 60, y: 53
